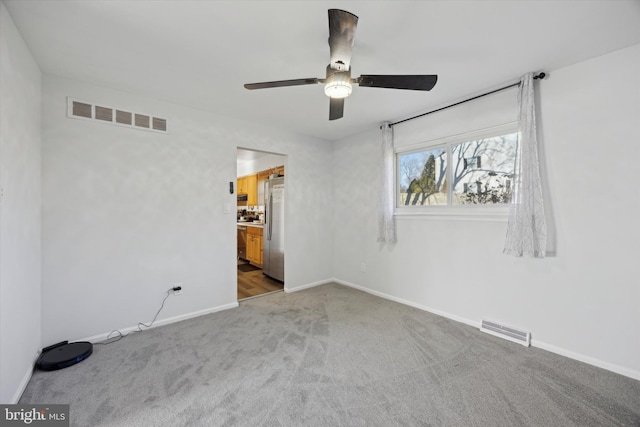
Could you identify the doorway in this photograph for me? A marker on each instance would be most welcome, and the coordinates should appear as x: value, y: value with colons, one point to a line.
x: 258, y: 255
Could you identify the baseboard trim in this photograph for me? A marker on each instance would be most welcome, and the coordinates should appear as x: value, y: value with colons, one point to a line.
x: 587, y: 359
x: 103, y: 336
x: 307, y: 286
x: 25, y: 380
x: 534, y: 343
x: 409, y: 303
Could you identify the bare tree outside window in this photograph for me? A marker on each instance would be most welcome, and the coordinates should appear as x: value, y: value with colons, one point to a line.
x: 481, y: 173
x: 423, y: 176
x: 483, y: 170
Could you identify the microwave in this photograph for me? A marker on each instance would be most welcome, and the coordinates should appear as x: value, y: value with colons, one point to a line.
x: 243, y: 199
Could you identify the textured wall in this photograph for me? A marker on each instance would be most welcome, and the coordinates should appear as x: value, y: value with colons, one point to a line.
x: 127, y: 213
x: 19, y: 210
x: 582, y: 302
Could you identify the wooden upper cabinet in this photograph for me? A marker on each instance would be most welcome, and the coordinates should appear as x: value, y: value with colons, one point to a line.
x: 242, y: 186
x: 252, y: 189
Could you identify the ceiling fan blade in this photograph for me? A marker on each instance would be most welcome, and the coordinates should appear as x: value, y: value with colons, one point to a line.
x: 336, y: 108
x: 411, y: 82
x: 282, y: 83
x: 342, y: 32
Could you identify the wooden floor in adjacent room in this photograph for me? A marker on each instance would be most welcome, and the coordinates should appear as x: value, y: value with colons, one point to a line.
x: 254, y: 283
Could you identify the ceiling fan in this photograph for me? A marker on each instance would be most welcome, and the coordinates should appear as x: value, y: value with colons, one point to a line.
x: 338, y: 81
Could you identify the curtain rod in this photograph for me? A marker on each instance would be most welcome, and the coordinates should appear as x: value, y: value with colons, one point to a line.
x: 539, y: 76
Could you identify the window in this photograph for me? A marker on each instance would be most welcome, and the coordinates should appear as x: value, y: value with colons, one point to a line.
x: 476, y: 169
x: 422, y: 177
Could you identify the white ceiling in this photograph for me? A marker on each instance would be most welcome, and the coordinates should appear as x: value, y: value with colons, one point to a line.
x: 200, y: 53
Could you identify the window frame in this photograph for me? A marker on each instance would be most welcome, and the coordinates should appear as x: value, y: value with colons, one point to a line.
x: 475, y: 212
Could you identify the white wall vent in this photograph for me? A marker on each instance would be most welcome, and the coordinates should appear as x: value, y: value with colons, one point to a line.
x: 506, y: 332
x: 87, y: 111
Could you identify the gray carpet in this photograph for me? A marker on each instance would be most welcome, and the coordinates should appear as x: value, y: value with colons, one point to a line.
x: 332, y: 356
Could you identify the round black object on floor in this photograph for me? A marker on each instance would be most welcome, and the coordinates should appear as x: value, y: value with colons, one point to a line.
x: 63, y: 355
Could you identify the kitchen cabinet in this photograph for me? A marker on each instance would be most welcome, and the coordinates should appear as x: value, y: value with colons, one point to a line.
x: 251, y: 183
x: 261, y: 181
x: 241, y: 186
x: 254, y: 245
x: 248, y: 185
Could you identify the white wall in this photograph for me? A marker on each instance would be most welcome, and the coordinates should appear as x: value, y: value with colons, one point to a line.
x: 127, y: 213
x: 584, y: 300
x: 19, y: 211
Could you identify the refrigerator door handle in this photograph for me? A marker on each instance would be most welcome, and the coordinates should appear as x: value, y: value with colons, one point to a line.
x: 270, y: 225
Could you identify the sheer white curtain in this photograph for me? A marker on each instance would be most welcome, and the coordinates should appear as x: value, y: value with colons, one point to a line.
x: 386, y: 224
x: 527, y: 229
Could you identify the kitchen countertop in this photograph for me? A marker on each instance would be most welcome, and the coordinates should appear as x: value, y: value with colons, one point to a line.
x: 251, y: 224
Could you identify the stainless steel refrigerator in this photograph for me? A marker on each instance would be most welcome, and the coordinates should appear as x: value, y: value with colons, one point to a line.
x: 273, y: 236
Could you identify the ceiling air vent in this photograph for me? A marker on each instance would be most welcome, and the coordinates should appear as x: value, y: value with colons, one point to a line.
x: 84, y: 110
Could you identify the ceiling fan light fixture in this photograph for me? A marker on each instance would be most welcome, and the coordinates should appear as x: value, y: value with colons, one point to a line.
x: 338, y: 86
x: 338, y: 89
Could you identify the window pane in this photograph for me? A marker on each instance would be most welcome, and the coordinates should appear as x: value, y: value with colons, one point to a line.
x: 422, y: 178
x: 483, y: 170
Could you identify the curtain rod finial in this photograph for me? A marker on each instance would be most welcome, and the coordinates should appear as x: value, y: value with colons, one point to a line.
x: 540, y: 76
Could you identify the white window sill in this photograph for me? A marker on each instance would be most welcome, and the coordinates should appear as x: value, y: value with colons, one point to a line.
x: 453, y: 213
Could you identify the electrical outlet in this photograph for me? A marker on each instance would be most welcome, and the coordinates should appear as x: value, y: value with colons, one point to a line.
x: 177, y: 288
x: 363, y: 267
